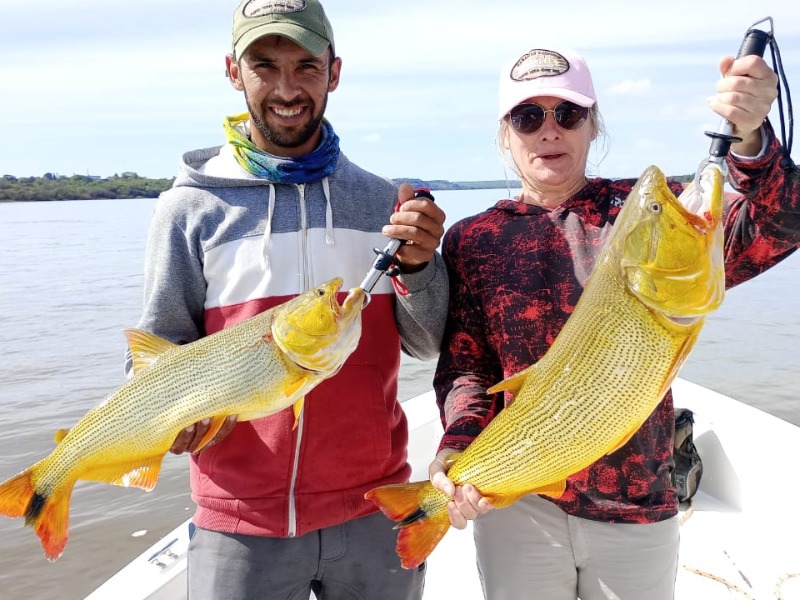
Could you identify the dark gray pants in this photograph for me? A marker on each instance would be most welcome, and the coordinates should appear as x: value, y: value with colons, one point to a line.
x: 353, y: 561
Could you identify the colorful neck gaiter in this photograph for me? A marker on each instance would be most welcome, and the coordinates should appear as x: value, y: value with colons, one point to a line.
x: 308, y: 168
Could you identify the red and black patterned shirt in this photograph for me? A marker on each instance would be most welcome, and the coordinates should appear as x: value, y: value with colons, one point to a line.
x: 516, y: 273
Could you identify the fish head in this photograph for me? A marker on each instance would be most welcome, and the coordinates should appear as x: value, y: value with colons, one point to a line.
x: 315, y: 331
x: 671, y: 249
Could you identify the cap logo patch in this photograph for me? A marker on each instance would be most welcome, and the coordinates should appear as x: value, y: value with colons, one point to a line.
x: 539, y: 63
x: 259, y: 8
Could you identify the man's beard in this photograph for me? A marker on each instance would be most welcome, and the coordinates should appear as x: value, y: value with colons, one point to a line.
x: 287, y: 138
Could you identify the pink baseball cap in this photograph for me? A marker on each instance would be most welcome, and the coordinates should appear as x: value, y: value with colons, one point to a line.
x: 542, y: 72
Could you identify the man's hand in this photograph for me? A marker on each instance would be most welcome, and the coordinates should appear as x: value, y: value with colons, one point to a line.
x: 189, y: 438
x: 467, y: 502
x: 418, y: 221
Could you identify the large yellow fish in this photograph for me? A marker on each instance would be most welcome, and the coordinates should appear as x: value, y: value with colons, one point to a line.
x: 659, y: 273
x: 255, y: 368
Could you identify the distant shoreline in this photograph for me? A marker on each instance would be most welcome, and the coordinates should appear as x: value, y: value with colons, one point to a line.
x: 128, y: 185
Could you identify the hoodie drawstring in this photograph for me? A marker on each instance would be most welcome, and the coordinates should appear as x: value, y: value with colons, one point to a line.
x: 329, y: 239
x: 268, y: 227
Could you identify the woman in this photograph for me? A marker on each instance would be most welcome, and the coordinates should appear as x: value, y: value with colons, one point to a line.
x: 516, y: 273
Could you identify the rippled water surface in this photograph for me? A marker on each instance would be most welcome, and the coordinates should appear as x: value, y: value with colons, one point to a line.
x: 71, y: 279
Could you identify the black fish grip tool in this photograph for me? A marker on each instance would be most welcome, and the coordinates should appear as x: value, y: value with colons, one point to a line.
x: 755, y: 42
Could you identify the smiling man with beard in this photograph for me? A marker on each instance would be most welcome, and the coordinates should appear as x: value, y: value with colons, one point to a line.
x: 272, y: 212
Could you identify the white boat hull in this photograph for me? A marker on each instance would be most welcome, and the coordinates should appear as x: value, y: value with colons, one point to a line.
x: 739, y: 536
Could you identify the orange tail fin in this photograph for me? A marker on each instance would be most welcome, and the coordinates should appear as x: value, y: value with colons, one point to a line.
x: 49, y: 516
x: 420, y: 529
x: 16, y: 494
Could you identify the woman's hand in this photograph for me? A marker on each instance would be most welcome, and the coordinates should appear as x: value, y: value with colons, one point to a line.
x: 467, y: 502
x: 744, y: 97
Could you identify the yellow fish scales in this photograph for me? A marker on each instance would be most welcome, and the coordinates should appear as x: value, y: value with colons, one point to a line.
x: 258, y: 367
x: 658, y: 275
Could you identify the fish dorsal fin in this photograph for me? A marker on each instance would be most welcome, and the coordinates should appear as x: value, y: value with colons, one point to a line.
x: 60, y: 435
x: 145, y: 347
x: 512, y: 384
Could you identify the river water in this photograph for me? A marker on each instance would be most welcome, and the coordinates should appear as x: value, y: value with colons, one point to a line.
x: 71, y: 279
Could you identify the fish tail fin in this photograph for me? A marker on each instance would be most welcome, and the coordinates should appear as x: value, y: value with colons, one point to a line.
x: 47, y: 515
x: 421, y: 529
x: 16, y: 494
x: 50, y: 520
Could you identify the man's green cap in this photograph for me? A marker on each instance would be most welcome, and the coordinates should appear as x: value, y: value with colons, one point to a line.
x: 302, y: 21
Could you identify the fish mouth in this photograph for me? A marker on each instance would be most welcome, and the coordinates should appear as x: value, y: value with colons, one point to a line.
x: 684, y: 321
x: 356, y: 299
x: 702, y: 200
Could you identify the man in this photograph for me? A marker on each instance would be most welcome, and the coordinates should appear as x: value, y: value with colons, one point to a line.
x: 275, y: 211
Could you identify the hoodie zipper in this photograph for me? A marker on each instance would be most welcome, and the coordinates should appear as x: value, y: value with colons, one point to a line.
x: 292, y: 525
x: 307, y: 283
x: 303, y: 249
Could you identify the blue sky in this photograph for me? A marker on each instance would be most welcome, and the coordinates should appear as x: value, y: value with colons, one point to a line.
x: 105, y: 86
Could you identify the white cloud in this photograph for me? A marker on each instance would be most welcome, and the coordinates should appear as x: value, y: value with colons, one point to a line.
x: 630, y: 87
x: 371, y: 138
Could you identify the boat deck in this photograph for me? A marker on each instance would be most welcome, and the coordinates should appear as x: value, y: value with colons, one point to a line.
x: 739, y: 536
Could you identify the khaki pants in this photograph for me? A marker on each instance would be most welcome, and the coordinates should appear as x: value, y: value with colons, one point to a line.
x: 534, y: 550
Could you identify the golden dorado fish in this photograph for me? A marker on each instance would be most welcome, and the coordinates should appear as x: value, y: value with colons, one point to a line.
x: 659, y: 273
x: 253, y: 369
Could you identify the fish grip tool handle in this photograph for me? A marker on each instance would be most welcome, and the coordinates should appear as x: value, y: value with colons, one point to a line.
x: 755, y: 42
x: 385, y: 262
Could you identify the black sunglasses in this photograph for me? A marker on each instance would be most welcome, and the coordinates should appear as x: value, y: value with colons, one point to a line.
x: 529, y: 117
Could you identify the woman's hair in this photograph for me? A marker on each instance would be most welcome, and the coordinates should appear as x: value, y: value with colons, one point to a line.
x: 595, y: 120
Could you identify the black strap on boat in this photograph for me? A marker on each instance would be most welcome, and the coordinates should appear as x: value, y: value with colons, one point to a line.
x: 688, y: 469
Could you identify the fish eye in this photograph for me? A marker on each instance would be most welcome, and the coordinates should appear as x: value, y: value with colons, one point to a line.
x: 320, y: 292
x: 655, y: 207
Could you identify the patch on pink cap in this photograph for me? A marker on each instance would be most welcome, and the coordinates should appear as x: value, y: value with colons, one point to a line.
x: 539, y: 63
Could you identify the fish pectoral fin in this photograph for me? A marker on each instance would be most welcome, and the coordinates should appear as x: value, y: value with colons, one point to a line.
x: 297, y: 409
x: 142, y: 473
x: 678, y: 361
x: 512, y: 384
x: 213, y: 428
x: 291, y: 388
x: 145, y: 347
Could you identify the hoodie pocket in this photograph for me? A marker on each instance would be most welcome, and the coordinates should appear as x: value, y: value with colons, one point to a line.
x: 354, y: 431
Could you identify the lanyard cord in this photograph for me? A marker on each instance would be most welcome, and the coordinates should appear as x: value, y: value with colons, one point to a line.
x: 786, y: 117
